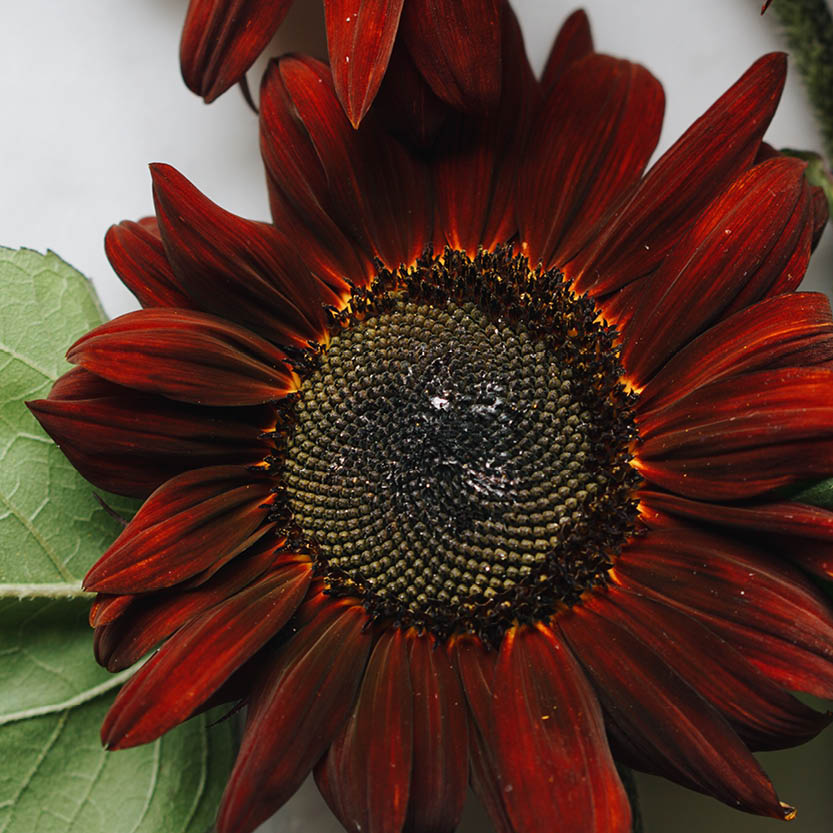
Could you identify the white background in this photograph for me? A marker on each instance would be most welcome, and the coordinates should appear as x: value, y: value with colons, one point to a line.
x: 90, y: 93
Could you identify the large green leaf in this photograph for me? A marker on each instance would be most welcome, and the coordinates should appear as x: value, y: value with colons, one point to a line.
x: 52, y: 528
x: 54, y: 775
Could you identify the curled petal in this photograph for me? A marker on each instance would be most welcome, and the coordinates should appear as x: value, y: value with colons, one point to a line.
x: 196, y: 519
x: 186, y: 356
x: 222, y: 38
x: 136, y: 253
x: 130, y: 443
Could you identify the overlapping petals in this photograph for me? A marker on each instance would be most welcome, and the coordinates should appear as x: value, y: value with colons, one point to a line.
x: 454, y: 44
x: 682, y: 661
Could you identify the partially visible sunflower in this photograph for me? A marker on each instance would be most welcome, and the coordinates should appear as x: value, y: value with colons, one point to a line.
x: 444, y: 48
x: 467, y: 469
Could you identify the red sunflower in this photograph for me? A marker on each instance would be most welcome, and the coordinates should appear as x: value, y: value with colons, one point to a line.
x: 466, y: 469
x: 445, y: 48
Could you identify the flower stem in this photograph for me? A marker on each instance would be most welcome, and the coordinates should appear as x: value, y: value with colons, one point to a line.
x: 58, y: 590
x: 808, y: 27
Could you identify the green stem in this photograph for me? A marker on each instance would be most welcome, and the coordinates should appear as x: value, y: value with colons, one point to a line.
x: 808, y: 27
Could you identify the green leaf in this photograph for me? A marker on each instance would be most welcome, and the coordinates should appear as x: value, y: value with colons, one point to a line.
x: 52, y: 528
x: 55, y: 776
x: 817, y: 494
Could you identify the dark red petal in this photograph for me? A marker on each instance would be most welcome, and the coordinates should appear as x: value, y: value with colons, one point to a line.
x: 475, y: 169
x: 406, y: 103
x: 821, y: 214
x: 476, y: 667
x: 439, y: 775
x: 374, y: 190
x: 802, y: 533
x: 365, y: 776
x: 192, y: 521
x: 152, y: 617
x: 707, y: 157
x: 789, y: 330
x: 550, y: 747
x: 187, y: 356
x: 222, y: 38
x: 573, y: 42
x: 200, y: 657
x: 764, y: 608
x: 456, y: 46
x: 735, y: 437
x: 360, y: 38
x: 130, y: 443
x: 242, y: 270
x: 593, y: 137
x: 296, y: 709
x: 136, y: 254
x: 762, y: 713
x: 736, y: 250
x: 106, y: 609
x: 299, y: 193
x: 484, y: 782
x: 665, y: 722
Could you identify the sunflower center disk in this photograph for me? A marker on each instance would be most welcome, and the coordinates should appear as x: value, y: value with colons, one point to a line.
x: 462, y: 463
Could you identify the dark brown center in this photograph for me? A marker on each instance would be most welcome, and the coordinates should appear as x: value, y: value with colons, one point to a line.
x: 459, y: 455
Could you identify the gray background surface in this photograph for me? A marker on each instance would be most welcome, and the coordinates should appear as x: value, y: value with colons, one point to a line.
x: 90, y: 93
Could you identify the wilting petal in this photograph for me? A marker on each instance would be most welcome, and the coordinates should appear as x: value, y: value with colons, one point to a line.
x: 365, y: 776
x: 187, y: 356
x: 648, y: 703
x: 186, y: 525
x: 152, y: 617
x: 360, y: 35
x: 593, y: 136
x: 550, y: 747
x: 764, y: 608
x: 790, y: 330
x: 439, y: 775
x: 245, y: 271
x: 762, y: 713
x: 707, y: 157
x: 296, y: 710
x: 695, y: 446
x: 573, y: 42
x: 736, y: 251
x: 130, y: 443
x: 476, y: 163
x: 201, y: 656
x: 136, y: 253
x: 372, y: 187
x: 222, y: 38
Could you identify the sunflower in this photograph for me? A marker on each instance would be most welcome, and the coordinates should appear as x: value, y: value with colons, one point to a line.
x: 469, y: 467
x: 446, y: 49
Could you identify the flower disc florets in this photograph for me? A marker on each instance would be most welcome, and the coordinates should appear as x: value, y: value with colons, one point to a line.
x: 459, y: 455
